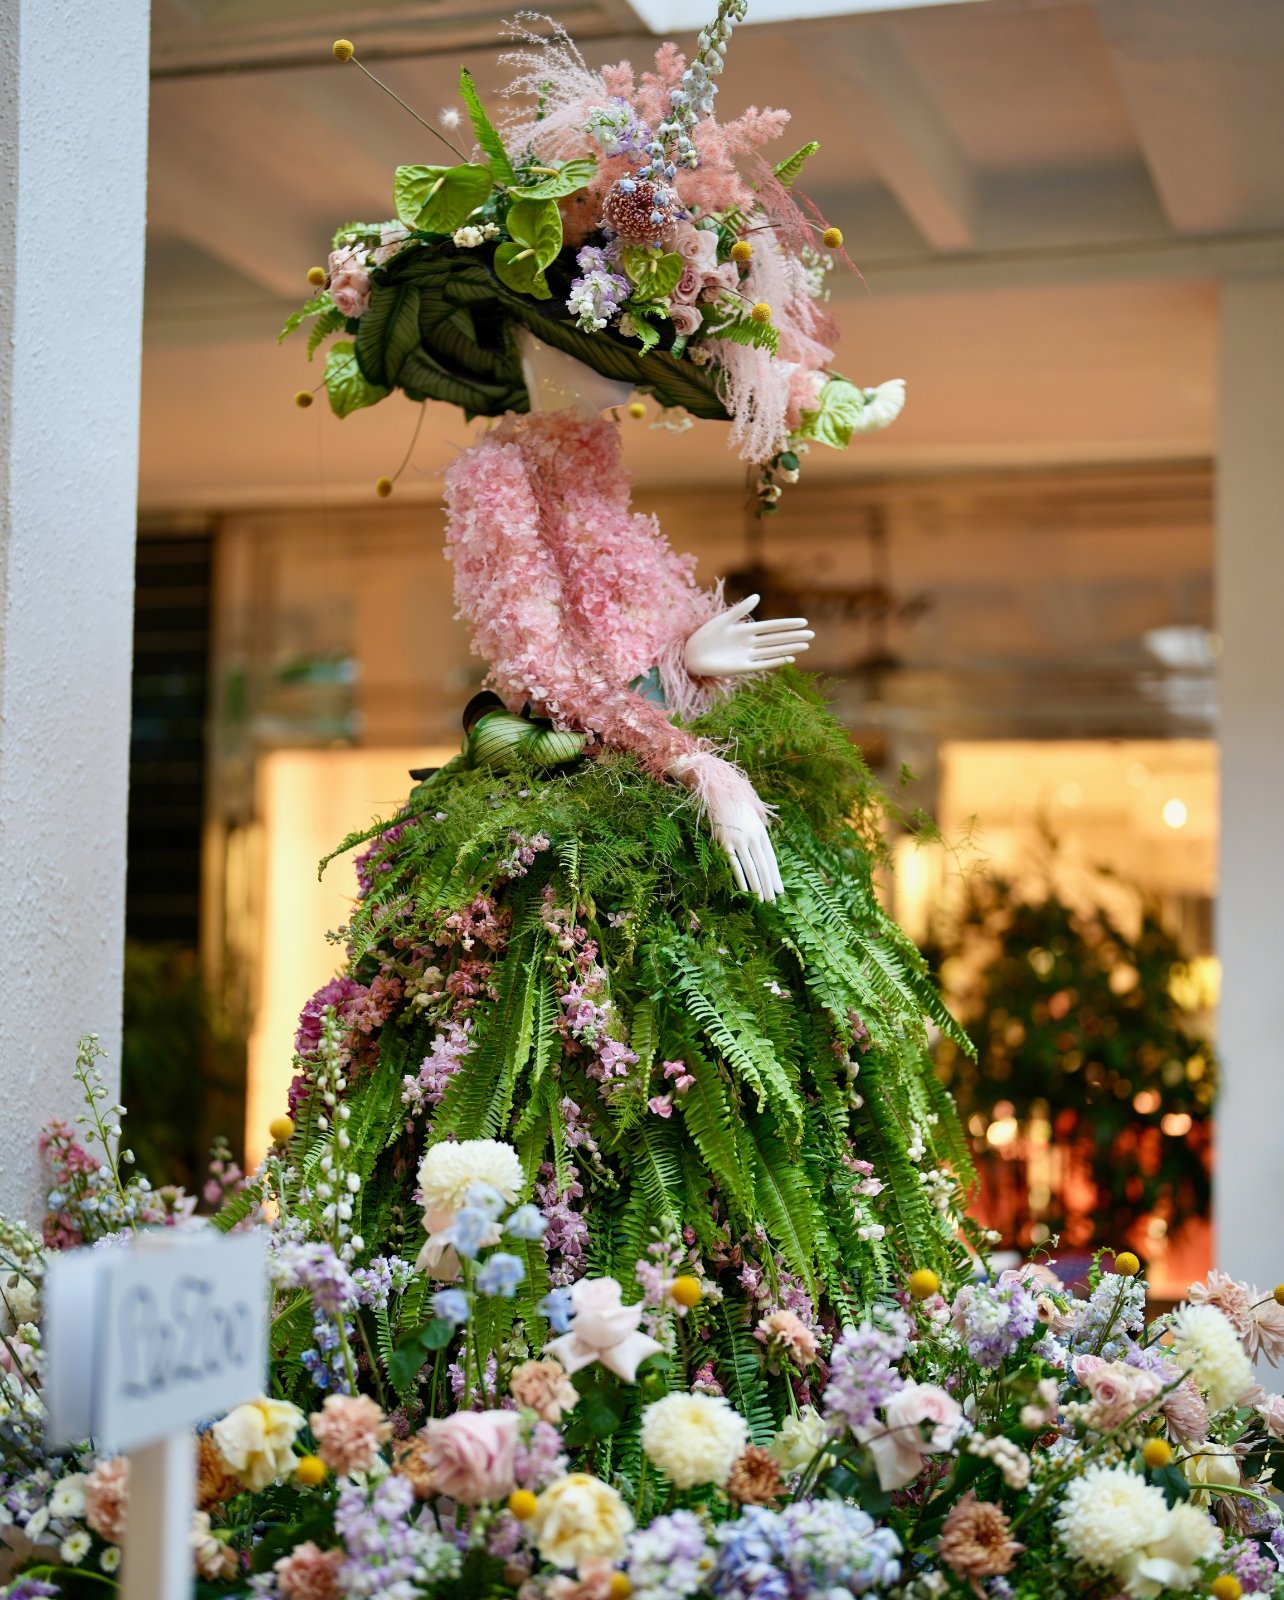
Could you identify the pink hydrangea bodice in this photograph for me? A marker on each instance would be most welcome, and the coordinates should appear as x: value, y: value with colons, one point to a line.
x: 570, y: 595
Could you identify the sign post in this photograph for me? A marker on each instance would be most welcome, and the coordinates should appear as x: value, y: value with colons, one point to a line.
x: 145, y: 1341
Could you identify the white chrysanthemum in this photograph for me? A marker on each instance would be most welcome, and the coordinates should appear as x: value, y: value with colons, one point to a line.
x: 1107, y: 1514
x: 694, y: 1438
x: 1208, y: 1348
x: 448, y: 1171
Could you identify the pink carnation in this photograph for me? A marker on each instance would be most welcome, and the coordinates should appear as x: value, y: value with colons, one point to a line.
x: 349, y: 1428
x: 309, y: 1573
x: 471, y: 1455
x: 787, y: 1330
x: 107, y: 1499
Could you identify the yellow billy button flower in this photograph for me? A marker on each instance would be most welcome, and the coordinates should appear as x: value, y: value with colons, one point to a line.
x: 637, y: 409
x: 1156, y: 1453
x: 281, y: 1129
x: 686, y: 1291
x: 1277, y: 1294
x: 523, y: 1504
x: 923, y: 1284
x: 383, y: 487
x: 303, y: 399
x: 1227, y: 1587
x: 1127, y: 1265
x: 620, y: 1586
x: 832, y: 238
x: 742, y: 251
x: 316, y: 276
x: 761, y: 312
x: 344, y: 49
x: 310, y: 1471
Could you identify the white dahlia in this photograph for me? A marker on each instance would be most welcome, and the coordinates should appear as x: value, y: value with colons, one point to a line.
x: 694, y: 1438
x: 1108, y: 1513
x: 448, y: 1171
x: 1207, y: 1347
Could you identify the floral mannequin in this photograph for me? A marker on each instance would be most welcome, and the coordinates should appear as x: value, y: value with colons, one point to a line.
x: 572, y: 598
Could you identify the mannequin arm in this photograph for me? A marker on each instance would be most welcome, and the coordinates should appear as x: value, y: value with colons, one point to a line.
x: 727, y: 646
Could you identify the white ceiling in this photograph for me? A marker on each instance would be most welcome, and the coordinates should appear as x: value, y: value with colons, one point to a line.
x: 1016, y: 160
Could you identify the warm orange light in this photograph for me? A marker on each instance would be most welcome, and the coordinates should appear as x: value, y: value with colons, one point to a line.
x: 1175, y: 1124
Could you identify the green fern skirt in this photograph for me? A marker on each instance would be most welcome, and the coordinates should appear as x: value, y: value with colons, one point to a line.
x: 692, y: 1079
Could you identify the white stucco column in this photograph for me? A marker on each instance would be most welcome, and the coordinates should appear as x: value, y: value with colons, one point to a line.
x: 1250, y: 910
x: 73, y: 132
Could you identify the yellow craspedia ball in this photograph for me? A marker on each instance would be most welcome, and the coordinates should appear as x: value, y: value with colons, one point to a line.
x: 316, y: 276
x: 523, y: 1504
x: 1156, y: 1453
x: 344, y: 49
x: 1277, y: 1294
x: 1127, y: 1265
x: 620, y: 1586
x: 310, y: 1471
x: 742, y: 251
x: 637, y: 409
x: 1227, y: 1587
x: 686, y: 1291
x: 761, y: 312
x: 922, y: 1284
x: 833, y: 238
x: 383, y: 487
x: 281, y: 1129
x: 303, y: 399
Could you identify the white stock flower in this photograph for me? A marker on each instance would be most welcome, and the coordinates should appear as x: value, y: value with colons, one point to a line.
x: 694, y: 1438
x: 1107, y: 1514
x: 1207, y: 1347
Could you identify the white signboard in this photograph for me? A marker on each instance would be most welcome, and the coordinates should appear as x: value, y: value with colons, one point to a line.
x: 151, y: 1337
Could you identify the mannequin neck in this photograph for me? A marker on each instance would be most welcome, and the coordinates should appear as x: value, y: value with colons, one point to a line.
x: 558, y: 382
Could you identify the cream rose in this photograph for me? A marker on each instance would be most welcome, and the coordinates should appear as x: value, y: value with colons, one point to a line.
x: 257, y: 1440
x: 1210, y: 1467
x: 1187, y: 1537
x: 580, y: 1519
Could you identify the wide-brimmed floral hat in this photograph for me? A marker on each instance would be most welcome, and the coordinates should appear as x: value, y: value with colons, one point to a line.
x: 618, y: 220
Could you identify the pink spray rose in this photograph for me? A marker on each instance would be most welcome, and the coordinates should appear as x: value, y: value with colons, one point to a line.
x: 309, y: 1573
x: 901, y: 1446
x: 686, y: 319
x: 349, y: 1429
x: 470, y: 1455
x: 349, y: 281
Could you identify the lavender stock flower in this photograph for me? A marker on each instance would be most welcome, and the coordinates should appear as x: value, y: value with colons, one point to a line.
x: 863, y: 1374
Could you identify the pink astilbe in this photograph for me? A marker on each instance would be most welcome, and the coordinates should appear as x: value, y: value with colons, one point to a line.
x: 570, y: 595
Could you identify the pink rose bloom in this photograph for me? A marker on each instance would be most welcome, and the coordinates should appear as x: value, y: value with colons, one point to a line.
x: 309, y: 1573
x: 900, y: 1450
x: 391, y: 238
x: 804, y: 395
x: 471, y: 1455
x: 1117, y: 1389
x: 107, y: 1499
x: 349, y: 281
x: 349, y: 1429
x: 688, y: 285
x: 697, y: 246
x: 789, y: 1331
x: 603, y: 1329
x: 686, y: 319
x: 1271, y: 1412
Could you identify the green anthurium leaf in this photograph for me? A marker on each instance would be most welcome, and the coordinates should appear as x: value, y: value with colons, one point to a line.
x: 559, y: 180
x: 538, y: 224
x: 388, y: 331
x: 838, y: 415
x: 483, y: 130
x: 657, y: 276
x: 517, y: 266
x: 439, y: 199
x: 345, y: 383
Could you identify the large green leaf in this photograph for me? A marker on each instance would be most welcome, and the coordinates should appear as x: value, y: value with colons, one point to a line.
x: 423, y: 377
x: 537, y: 224
x: 518, y: 266
x: 388, y: 331
x: 654, y: 275
x: 345, y: 383
x: 439, y: 199
x: 838, y: 415
x: 563, y: 178
x: 483, y: 130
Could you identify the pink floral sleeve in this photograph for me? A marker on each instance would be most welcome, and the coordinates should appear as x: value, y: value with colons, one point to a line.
x: 547, y: 633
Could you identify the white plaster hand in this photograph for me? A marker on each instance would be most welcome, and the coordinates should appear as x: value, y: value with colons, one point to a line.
x: 743, y: 835
x: 728, y: 647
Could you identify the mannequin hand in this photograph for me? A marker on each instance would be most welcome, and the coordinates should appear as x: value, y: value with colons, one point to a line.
x: 743, y: 835
x: 727, y: 647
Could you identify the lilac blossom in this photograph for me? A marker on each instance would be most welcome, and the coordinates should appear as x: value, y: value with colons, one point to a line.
x: 993, y: 1318
x: 597, y: 295
x: 390, y: 1557
x: 566, y: 1241
x: 668, y: 1559
x: 438, y: 1067
x: 814, y: 1547
x: 539, y: 1460
x: 863, y: 1373
x: 384, y: 1277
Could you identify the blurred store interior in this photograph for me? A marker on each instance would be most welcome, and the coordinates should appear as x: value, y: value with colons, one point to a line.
x: 1013, y: 588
